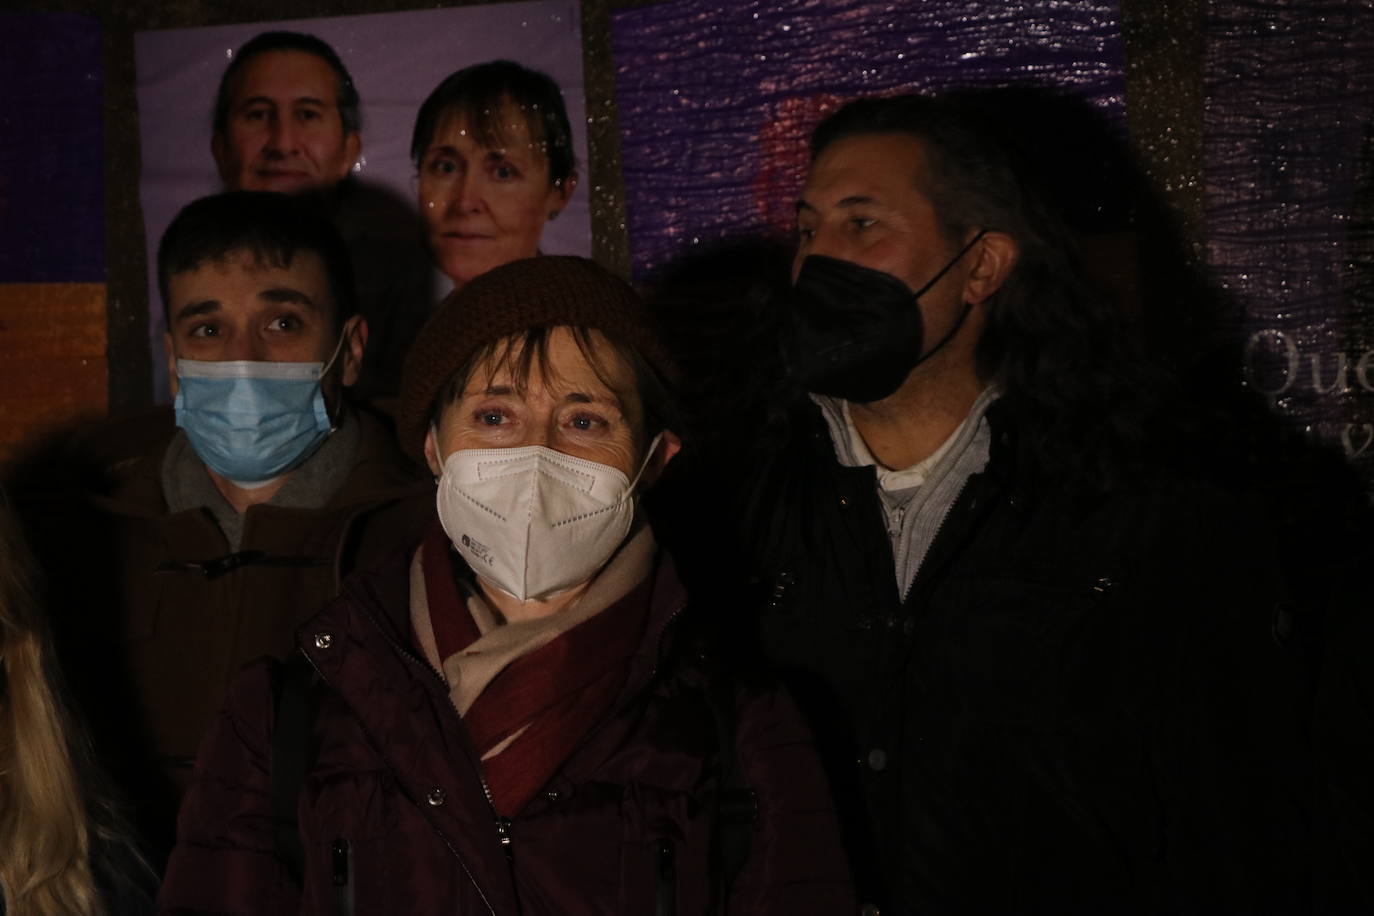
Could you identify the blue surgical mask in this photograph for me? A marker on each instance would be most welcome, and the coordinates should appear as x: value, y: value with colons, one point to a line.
x: 250, y: 421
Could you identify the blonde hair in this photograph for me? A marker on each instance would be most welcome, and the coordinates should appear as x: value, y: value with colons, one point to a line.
x: 45, y: 832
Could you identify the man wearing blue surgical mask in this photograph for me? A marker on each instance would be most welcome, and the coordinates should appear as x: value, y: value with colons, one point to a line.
x: 232, y: 517
x: 253, y: 345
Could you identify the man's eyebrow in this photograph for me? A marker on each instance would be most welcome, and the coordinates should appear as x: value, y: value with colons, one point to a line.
x: 264, y: 100
x: 286, y: 294
x: 853, y: 200
x: 196, y: 309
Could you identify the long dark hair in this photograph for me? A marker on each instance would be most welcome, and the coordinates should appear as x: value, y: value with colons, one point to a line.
x: 1071, y: 363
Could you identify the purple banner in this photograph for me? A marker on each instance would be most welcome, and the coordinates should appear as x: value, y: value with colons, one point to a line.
x: 1290, y: 206
x: 716, y: 100
x: 52, y: 149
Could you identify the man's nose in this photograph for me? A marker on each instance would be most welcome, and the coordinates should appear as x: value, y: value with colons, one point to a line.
x: 244, y: 347
x: 281, y: 135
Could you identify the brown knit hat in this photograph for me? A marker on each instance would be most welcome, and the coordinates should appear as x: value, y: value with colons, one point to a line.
x: 543, y: 291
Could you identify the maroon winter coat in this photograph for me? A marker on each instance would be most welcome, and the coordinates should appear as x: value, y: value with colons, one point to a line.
x: 394, y: 788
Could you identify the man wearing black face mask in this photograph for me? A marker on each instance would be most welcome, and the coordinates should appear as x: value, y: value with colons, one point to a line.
x: 1038, y: 659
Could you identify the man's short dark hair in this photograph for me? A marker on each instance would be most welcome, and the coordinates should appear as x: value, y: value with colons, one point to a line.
x: 348, y: 101
x: 271, y: 227
x: 1071, y: 360
x: 477, y: 93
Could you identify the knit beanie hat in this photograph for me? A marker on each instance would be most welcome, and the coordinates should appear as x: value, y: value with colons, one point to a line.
x: 543, y: 291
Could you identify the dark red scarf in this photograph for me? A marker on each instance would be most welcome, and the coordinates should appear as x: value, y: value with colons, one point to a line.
x: 556, y: 693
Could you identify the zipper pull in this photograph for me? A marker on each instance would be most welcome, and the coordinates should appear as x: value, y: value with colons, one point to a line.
x: 894, y: 528
x: 342, y: 874
x: 503, y: 833
x: 338, y: 861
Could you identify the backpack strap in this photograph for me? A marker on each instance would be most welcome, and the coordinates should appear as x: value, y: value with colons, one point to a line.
x: 291, y: 753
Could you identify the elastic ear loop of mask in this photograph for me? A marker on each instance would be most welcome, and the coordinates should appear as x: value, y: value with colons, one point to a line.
x: 968, y: 306
x: 338, y: 348
x: 643, y: 465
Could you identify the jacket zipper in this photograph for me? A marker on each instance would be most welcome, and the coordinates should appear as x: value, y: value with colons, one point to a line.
x: 502, y: 823
x: 425, y: 665
x: 341, y: 877
x: 935, y: 539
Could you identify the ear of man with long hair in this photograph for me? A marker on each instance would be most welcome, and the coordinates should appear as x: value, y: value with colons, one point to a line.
x: 50, y: 816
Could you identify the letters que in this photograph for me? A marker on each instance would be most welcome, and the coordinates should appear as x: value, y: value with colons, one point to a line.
x: 1275, y: 367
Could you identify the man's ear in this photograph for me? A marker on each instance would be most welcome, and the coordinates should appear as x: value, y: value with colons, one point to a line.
x: 668, y: 445
x: 351, y: 350
x: 436, y: 467
x: 171, y: 361
x: 996, y: 256
x: 353, y: 148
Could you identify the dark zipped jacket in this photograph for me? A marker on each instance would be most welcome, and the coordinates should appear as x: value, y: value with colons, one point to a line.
x: 394, y: 817
x: 1083, y: 704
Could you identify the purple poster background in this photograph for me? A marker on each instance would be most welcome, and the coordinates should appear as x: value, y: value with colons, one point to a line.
x: 715, y: 101
x: 1290, y: 206
x: 52, y: 163
x: 395, y: 60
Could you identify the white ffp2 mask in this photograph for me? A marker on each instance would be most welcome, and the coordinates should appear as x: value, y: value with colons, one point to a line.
x: 532, y: 520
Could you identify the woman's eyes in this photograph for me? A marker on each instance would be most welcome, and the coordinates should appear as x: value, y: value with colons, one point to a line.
x: 504, y: 171
x: 501, y: 170
x: 578, y: 422
x: 585, y: 422
x: 440, y: 165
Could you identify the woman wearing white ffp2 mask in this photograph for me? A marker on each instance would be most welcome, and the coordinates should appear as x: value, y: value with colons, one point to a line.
x: 564, y: 740
x: 538, y: 457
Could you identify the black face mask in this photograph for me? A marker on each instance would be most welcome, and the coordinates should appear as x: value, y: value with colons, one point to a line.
x: 858, y: 332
